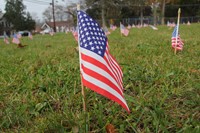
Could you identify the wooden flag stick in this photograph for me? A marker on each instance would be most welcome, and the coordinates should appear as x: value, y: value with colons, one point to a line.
x: 82, y: 86
x: 178, y: 21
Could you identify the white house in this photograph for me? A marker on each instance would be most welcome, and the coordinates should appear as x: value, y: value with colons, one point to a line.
x: 4, y: 25
x: 61, y: 26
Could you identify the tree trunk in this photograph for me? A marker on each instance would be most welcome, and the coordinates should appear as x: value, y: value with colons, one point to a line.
x: 163, y: 12
x: 103, y: 14
x: 154, y: 14
x: 141, y: 15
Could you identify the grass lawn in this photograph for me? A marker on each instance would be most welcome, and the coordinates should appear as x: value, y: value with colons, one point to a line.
x: 40, y: 89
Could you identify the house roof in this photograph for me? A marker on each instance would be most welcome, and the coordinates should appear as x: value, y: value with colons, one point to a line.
x: 59, y: 24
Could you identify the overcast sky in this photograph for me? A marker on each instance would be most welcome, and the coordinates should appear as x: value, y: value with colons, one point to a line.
x: 37, y: 6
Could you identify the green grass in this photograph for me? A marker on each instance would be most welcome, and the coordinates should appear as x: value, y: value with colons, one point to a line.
x: 40, y: 87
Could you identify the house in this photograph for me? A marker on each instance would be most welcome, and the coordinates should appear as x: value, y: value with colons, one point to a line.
x: 61, y: 26
x: 4, y: 25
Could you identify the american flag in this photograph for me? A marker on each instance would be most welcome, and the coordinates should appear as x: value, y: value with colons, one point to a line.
x: 107, y: 32
x: 153, y: 27
x: 19, y: 35
x: 6, y: 39
x: 129, y: 26
x: 15, y: 39
x: 51, y: 32
x: 100, y: 72
x: 123, y: 30
x: 113, y: 27
x: 176, y: 36
x: 30, y: 35
x: 188, y: 23
x: 75, y: 34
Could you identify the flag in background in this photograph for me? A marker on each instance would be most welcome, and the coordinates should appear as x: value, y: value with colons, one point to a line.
x: 133, y: 26
x: 179, y: 44
x: 30, y: 35
x: 15, y: 39
x: 99, y: 70
x: 51, y: 32
x: 107, y: 32
x: 19, y: 35
x: 145, y: 25
x: 6, y: 39
x: 123, y: 30
x: 168, y: 23
x: 66, y: 31
x: 153, y: 27
x: 188, y: 23
x: 113, y: 27
x: 75, y: 33
x: 139, y: 26
x: 129, y: 26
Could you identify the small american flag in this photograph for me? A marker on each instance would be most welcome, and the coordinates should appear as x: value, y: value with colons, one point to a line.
x: 188, y: 23
x: 107, y: 32
x: 113, y: 27
x: 153, y: 27
x: 51, y: 32
x: 75, y: 34
x: 129, y: 26
x: 19, y: 35
x: 123, y: 30
x: 177, y: 43
x: 30, y: 35
x: 15, y: 39
x: 6, y: 39
x: 99, y: 70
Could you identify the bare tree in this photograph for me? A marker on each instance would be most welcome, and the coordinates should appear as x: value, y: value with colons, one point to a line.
x: 35, y: 17
x: 163, y: 3
x: 60, y: 12
x: 154, y: 7
x: 139, y: 7
x: 47, y: 14
x: 106, y: 8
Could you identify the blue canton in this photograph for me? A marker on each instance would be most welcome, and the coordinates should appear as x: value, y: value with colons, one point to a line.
x: 174, y: 32
x: 91, y: 36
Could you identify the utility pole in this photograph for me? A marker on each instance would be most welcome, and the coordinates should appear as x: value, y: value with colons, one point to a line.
x: 54, y: 23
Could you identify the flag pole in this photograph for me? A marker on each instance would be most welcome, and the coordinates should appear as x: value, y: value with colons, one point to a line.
x: 82, y: 87
x: 178, y: 21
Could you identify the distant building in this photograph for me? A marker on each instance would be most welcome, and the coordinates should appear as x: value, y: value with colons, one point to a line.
x: 61, y: 26
x: 4, y: 25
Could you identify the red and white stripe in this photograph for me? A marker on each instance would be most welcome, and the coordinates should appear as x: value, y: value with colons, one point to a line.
x: 75, y: 34
x: 15, y: 40
x: 19, y: 35
x: 178, y: 45
x: 125, y: 31
x: 102, y: 75
x: 6, y: 40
